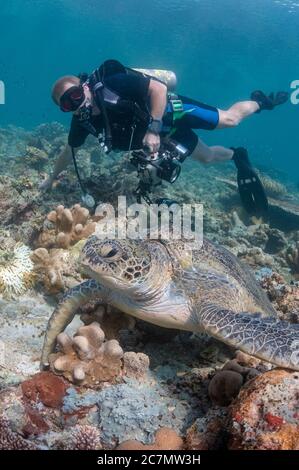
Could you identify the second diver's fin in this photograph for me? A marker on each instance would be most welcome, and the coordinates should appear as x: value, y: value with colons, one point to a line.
x: 251, y: 190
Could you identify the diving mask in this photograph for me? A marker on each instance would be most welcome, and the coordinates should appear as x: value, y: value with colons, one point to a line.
x: 72, y: 98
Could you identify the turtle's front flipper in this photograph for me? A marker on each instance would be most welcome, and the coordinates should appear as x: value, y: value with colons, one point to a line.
x: 65, y: 312
x: 266, y: 338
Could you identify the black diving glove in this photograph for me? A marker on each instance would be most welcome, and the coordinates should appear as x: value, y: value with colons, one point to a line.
x: 251, y: 190
x: 269, y: 102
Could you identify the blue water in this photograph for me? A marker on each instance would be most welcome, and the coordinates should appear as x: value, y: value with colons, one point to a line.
x: 221, y: 50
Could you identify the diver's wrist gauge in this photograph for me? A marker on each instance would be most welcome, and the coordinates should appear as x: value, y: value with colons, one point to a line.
x: 155, y: 126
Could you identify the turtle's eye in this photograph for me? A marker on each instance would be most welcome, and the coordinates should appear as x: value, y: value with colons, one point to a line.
x: 108, y: 251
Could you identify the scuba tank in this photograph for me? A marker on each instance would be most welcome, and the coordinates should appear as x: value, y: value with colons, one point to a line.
x: 112, y: 66
x: 165, y: 76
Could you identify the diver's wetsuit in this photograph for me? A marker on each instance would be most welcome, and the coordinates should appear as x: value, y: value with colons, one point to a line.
x: 195, y: 115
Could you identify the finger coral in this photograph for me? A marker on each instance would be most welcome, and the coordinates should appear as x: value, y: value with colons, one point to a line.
x: 87, y: 358
x: 65, y: 227
x: 56, y: 269
x: 90, y: 359
x: 16, y: 270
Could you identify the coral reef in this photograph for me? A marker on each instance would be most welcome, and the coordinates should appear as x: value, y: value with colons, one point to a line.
x: 10, y: 440
x: 276, y: 241
x: 84, y: 437
x: 22, y: 324
x: 56, y: 269
x: 65, y: 227
x: 135, y: 411
x: 113, y: 322
x: 88, y: 359
x: 136, y: 365
x: 165, y: 439
x: 16, y: 270
x: 284, y: 296
x: 46, y: 388
x: 13, y: 204
x: 226, y: 383
x: 225, y: 386
x: 145, y: 405
x: 265, y: 414
x: 54, y: 415
x: 50, y: 131
x: 35, y: 157
x: 256, y: 257
x: 273, y: 187
x: 292, y: 257
x: 208, y: 432
x: 32, y: 416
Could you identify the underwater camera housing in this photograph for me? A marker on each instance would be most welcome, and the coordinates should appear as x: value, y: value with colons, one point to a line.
x: 164, y: 165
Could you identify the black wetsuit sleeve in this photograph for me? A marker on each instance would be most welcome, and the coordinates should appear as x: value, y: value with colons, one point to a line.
x: 77, y: 134
x: 129, y: 86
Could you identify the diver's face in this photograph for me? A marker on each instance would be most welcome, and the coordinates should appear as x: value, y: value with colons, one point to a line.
x: 86, y: 101
x: 72, y: 98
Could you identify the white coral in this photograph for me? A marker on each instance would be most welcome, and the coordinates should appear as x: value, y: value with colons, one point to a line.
x: 17, y: 273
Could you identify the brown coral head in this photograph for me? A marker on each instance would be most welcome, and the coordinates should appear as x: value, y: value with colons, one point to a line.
x: 225, y: 386
x: 165, y: 439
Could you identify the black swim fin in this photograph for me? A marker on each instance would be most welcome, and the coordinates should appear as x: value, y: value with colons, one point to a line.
x: 269, y: 102
x: 251, y: 190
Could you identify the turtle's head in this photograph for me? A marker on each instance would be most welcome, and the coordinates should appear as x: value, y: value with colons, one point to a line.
x: 139, y: 266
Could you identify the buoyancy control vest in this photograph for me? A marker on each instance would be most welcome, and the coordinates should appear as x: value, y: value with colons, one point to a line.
x: 106, y: 98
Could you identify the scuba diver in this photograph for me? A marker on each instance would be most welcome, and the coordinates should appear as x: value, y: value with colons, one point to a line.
x: 127, y: 110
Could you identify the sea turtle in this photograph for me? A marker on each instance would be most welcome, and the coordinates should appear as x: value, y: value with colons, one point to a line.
x: 166, y: 284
